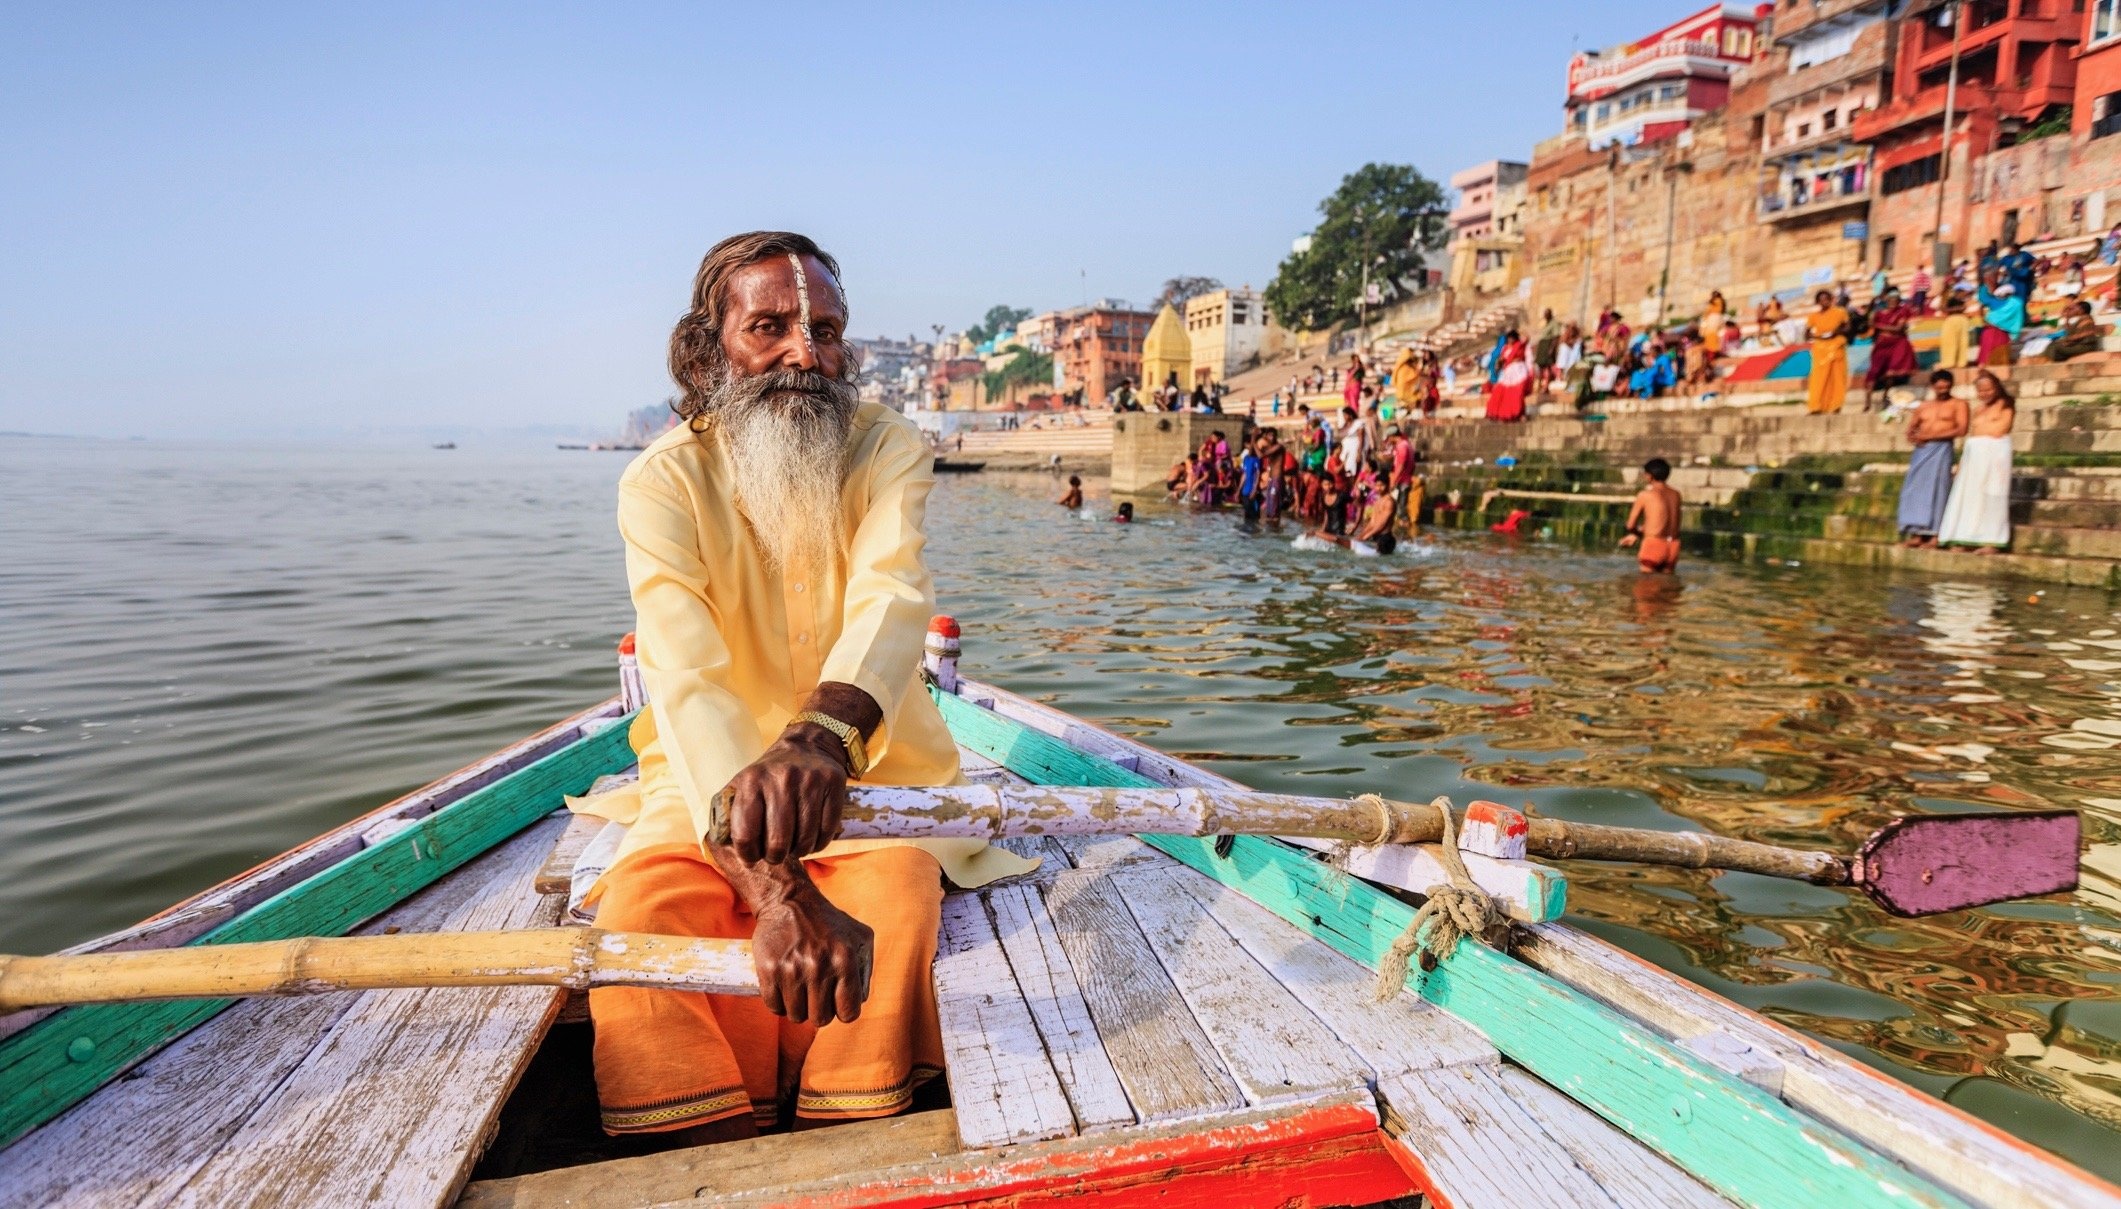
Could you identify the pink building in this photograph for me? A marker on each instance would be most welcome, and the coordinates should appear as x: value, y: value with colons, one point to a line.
x: 1644, y: 91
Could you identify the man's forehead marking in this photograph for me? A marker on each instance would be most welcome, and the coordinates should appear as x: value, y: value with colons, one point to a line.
x: 802, y: 300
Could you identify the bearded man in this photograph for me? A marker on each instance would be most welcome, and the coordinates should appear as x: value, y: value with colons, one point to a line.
x: 774, y: 549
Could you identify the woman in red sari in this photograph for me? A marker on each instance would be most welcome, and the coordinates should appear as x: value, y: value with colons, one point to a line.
x: 1506, y: 397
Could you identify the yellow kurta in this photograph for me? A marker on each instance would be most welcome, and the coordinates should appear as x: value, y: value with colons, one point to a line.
x: 1828, y: 385
x: 730, y: 649
x: 1406, y: 378
x: 1952, y: 342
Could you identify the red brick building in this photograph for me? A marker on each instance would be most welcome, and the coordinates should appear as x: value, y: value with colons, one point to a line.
x: 2017, y: 71
x: 1097, y: 347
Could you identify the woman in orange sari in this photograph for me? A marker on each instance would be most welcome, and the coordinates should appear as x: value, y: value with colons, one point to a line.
x: 1828, y: 385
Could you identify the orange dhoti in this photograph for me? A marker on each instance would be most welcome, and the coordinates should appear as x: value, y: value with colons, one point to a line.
x: 672, y: 1059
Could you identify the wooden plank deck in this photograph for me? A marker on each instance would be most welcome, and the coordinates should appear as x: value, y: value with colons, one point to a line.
x: 376, y: 1098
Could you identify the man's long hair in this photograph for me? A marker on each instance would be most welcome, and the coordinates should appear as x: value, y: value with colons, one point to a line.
x: 697, y: 362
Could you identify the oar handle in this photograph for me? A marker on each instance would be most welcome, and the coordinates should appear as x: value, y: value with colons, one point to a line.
x: 579, y: 958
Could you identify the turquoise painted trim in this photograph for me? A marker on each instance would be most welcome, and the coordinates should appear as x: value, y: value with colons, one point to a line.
x: 1730, y: 1135
x: 55, y: 1064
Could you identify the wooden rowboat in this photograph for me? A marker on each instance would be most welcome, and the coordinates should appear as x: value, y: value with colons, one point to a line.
x: 1180, y: 1019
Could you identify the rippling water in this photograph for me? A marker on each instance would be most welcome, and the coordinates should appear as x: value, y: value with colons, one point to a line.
x: 208, y: 654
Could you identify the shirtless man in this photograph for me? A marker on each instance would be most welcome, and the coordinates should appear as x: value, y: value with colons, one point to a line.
x: 1654, y: 520
x: 1073, y: 500
x: 1932, y: 430
x: 1373, y: 528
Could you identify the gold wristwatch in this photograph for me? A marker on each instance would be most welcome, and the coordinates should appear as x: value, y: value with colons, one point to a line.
x: 850, y: 738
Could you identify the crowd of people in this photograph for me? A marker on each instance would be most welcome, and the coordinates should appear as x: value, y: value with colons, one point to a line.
x: 1355, y: 484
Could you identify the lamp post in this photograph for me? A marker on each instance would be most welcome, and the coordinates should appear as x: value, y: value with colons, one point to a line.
x: 1941, y: 248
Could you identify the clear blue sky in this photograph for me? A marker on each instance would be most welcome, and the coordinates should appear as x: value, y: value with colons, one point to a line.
x: 258, y: 220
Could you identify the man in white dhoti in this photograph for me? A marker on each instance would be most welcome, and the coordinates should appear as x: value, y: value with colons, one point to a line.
x: 1978, y: 514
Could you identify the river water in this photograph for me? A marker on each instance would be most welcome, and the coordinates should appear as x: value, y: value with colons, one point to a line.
x: 210, y: 653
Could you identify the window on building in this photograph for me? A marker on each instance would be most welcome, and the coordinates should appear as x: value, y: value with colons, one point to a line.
x: 2106, y: 19
x: 2106, y: 115
x: 1887, y: 245
x: 1804, y: 130
x: 1828, y: 119
x: 1911, y: 175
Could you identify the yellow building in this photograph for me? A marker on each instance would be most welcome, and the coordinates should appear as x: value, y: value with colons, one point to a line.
x: 1167, y: 352
x: 1224, y: 329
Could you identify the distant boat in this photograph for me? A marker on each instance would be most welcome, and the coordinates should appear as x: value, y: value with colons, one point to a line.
x: 946, y: 466
x: 447, y: 445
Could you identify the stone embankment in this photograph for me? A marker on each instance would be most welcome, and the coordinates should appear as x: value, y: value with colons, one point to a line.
x: 1768, y: 481
x: 1083, y: 447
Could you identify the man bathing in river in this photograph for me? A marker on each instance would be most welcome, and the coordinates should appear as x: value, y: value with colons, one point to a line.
x: 1073, y: 499
x: 774, y: 547
x: 1653, y: 523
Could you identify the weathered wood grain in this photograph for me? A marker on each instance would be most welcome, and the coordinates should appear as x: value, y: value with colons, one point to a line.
x: 1530, y: 891
x: 59, y: 1060
x: 1480, y: 1149
x: 1091, y: 851
x: 1269, y: 1041
x: 1049, y: 989
x: 557, y: 873
x: 194, y: 917
x: 707, y: 1173
x: 1167, y: 1064
x: 1401, y: 1034
x: 1969, y: 1156
x: 1629, y: 1172
x: 1730, y: 1135
x: 394, y: 1106
x: 1002, y: 1083
x: 139, y: 1139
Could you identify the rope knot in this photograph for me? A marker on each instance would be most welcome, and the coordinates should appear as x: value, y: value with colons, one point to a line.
x: 1453, y: 911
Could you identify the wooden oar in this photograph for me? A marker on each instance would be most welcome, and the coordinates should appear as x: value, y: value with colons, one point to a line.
x: 1912, y: 866
x: 579, y: 958
x: 1920, y: 865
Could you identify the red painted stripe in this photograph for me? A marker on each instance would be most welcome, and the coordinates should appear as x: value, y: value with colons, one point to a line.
x: 1333, y: 1155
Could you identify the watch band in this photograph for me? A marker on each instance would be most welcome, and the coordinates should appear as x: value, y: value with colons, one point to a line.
x: 850, y: 738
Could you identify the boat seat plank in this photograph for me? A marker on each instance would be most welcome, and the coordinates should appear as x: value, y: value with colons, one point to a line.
x: 1165, y: 1061
x: 1401, y: 1034
x: 1634, y: 1174
x: 557, y: 874
x: 139, y: 1139
x: 1095, y: 851
x: 1002, y: 1082
x: 1270, y: 1042
x: 1049, y: 988
x: 394, y: 1105
x: 1478, y: 1145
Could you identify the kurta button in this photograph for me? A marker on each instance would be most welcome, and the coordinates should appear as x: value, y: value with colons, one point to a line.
x: 802, y: 638
x: 799, y: 587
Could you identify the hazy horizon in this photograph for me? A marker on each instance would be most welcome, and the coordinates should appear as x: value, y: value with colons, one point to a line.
x: 255, y: 222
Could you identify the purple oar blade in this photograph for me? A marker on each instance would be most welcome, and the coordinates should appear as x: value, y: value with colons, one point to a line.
x: 1925, y: 864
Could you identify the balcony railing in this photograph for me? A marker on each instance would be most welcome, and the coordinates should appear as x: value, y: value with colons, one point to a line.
x: 1694, y: 47
x: 1844, y: 188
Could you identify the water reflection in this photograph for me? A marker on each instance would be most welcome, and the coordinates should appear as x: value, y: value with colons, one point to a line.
x: 1789, y: 705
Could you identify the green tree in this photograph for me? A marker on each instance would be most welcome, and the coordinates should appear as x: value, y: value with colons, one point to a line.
x: 1024, y: 367
x: 1385, y: 214
x: 1177, y: 290
x: 1000, y: 318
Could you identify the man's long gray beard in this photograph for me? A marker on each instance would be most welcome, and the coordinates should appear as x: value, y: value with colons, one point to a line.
x: 786, y: 433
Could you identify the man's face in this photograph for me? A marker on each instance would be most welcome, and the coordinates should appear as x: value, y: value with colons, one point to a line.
x: 1940, y: 390
x: 763, y: 328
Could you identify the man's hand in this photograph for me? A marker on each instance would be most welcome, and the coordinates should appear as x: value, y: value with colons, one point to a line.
x: 812, y: 958
x: 1627, y: 541
x: 786, y: 804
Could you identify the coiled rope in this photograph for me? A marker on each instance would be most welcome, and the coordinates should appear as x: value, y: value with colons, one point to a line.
x: 1453, y: 911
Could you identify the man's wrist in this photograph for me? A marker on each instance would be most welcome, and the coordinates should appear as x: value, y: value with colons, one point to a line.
x: 812, y: 737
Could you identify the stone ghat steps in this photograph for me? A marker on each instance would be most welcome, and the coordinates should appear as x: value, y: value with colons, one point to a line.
x: 1095, y: 440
